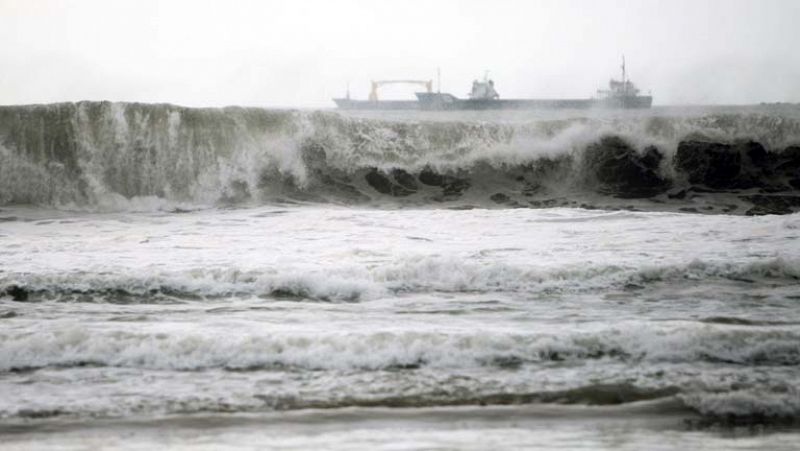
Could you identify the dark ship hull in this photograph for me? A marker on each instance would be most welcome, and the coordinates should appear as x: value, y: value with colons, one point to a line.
x: 441, y: 102
x: 349, y: 104
x: 436, y: 102
x: 625, y: 102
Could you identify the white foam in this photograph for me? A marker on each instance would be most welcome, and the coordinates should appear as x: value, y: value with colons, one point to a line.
x: 187, y: 348
x: 130, y: 151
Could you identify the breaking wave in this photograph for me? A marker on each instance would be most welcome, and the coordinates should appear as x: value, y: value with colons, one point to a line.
x: 135, y: 156
x: 728, y: 395
x: 416, y: 274
x: 162, y: 349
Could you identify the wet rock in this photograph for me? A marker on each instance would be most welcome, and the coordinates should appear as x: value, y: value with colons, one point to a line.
x: 651, y: 158
x: 545, y: 203
x: 759, y: 210
x: 754, y: 152
x: 622, y: 171
x: 529, y: 188
x: 719, y: 166
x: 715, y: 165
x: 17, y: 293
x: 381, y: 183
x: 789, y: 160
x: 451, y: 186
x: 771, y: 205
x: 431, y: 178
x: 500, y: 198
x: 679, y: 195
x: 404, y: 179
x: 455, y: 187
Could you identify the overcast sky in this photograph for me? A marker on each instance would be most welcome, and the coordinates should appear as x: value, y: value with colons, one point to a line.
x: 302, y: 53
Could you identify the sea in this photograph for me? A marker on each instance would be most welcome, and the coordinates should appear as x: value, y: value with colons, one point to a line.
x: 250, y: 278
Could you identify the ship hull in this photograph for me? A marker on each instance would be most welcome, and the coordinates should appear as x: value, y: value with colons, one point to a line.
x: 625, y: 102
x: 349, y: 104
x: 436, y: 101
x: 441, y: 102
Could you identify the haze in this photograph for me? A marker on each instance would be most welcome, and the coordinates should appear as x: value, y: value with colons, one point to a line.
x: 302, y: 53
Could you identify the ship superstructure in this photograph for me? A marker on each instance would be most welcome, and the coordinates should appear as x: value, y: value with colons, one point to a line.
x: 623, y: 94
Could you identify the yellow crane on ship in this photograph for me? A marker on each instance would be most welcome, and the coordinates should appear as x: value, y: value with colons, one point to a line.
x: 373, y: 94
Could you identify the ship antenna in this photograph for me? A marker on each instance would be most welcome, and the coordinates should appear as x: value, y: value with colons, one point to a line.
x: 624, y: 85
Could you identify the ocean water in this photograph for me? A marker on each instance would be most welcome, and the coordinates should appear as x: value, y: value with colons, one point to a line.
x: 261, y: 279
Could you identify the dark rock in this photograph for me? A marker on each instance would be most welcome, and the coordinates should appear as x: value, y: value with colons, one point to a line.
x: 771, y: 205
x: 760, y: 210
x: 431, y: 178
x: 451, y: 186
x: 17, y: 293
x: 383, y: 185
x: 545, y: 203
x: 529, y: 189
x: 715, y: 165
x: 743, y: 165
x: 404, y: 179
x: 651, y: 158
x: 454, y: 187
x: 679, y: 195
x: 789, y: 161
x: 700, y: 189
x: 787, y: 166
x: 622, y: 171
x: 755, y: 152
x: 380, y: 182
x: 499, y: 198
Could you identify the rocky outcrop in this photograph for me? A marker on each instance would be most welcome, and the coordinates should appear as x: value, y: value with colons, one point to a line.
x: 771, y: 204
x: 624, y: 172
x: 742, y: 165
x: 715, y: 165
x: 17, y: 293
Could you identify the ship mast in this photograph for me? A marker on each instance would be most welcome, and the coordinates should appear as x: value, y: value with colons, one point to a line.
x: 624, y: 83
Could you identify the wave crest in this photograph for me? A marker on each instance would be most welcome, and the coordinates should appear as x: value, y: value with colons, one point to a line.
x: 111, y: 155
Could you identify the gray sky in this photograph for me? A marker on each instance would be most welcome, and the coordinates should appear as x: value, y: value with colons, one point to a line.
x: 302, y: 53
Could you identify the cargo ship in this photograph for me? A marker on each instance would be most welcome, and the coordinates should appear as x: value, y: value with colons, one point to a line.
x: 483, y: 96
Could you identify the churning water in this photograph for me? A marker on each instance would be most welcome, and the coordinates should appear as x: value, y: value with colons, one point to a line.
x: 245, y: 278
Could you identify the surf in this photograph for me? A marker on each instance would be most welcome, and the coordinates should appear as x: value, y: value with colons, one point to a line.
x: 131, y: 156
